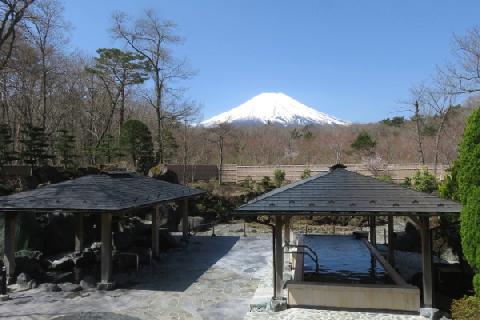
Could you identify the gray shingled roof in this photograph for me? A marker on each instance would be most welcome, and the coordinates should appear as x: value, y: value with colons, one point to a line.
x: 342, y: 192
x: 102, y: 192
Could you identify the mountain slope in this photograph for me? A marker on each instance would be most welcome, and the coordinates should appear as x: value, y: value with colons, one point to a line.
x: 276, y: 108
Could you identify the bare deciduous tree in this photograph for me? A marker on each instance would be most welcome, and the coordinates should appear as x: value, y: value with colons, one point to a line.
x: 45, y: 27
x: 152, y: 38
x: 12, y: 12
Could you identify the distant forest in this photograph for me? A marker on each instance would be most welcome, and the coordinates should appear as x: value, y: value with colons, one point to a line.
x: 393, y: 140
x: 65, y: 108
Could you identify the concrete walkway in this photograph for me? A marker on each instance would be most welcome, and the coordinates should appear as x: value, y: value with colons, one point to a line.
x: 212, y: 278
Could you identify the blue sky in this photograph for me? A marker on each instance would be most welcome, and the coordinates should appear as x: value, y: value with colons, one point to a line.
x: 353, y: 59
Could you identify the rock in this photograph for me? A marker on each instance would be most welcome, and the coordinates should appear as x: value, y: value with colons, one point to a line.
x: 430, y: 313
x: 23, y: 281
x: 88, y: 282
x: 161, y: 172
x: 64, y: 263
x: 50, y: 287
x: 32, y: 284
x: 85, y: 259
x: 31, y: 263
x: 69, y: 287
x: 278, y: 304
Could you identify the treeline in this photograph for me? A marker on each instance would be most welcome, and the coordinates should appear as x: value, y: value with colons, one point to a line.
x: 61, y: 107
x: 64, y: 108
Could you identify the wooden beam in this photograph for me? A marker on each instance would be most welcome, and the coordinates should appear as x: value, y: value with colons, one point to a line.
x: 426, y: 262
x: 79, y: 232
x: 388, y: 268
x: 185, y: 219
x: 155, y: 237
x: 278, y: 258
x: 415, y: 221
x: 106, y: 282
x: 391, y: 241
x: 286, y: 230
x: 10, y: 241
x: 373, y: 231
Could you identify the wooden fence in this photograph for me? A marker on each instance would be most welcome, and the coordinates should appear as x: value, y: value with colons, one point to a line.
x: 203, y: 172
x: 232, y: 173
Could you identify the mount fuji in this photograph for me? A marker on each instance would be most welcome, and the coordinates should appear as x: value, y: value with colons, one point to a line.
x: 275, y: 108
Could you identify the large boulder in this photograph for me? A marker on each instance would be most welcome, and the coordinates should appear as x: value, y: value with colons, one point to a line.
x: 50, y: 287
x: 161, y: 172
x: 63, y: 263
x: 31, y: 263
x: 88, y: 282
x: 69, y: 287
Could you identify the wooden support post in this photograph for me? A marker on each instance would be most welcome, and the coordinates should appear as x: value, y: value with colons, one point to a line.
x: 79, y: 232
x: 286, y: 230
x: 10, y: 245
x: 426, y: 262
x: 373, y: 231
x: 373, y: 242
x: 155, y: 237
x: 278, y: 257
x: 185, y: 219
x: 391, y: 242
x: 106, y: 252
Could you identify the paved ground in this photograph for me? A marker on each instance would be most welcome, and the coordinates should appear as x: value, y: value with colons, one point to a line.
x: 213, y: 278
x: 307, y: 314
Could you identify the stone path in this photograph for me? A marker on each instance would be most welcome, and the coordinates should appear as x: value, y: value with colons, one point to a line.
x: 309, y: 314
x: 212, y: 278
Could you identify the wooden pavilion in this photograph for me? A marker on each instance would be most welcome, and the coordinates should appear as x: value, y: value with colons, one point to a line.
x: 104, y: 194
x: 340, y: 192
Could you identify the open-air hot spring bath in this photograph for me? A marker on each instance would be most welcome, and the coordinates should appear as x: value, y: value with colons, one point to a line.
x: 342, y: 259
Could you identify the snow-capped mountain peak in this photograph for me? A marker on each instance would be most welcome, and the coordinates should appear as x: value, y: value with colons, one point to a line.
x: 276, y: 108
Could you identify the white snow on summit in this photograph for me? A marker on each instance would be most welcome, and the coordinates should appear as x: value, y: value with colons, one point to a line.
x: 276, y: 108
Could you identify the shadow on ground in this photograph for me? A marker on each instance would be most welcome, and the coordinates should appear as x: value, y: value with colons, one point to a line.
x: 178, y: 270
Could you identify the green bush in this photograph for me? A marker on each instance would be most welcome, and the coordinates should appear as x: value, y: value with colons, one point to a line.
x: 407, y: 182
x: 248, y: 183
x: 279, y: 177
x: 385, y: 178
x: 266, y: 184
x: 467, y: 308
x: 468, y: 178
x: 470, y: 233
x: 306, y: 174
x: 424, y: 181
x: 448, y: 189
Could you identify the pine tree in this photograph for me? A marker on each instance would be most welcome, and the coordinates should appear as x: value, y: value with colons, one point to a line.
x: 136, y: 141
x: 468, y: 175
x: 7, y: 154
x: 109, y: 149
x: 35, y: 146
x: 364, y: 143
x: 65, y: 147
